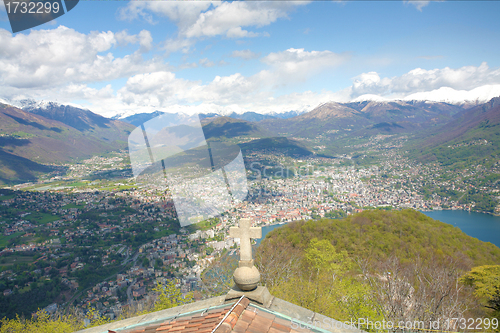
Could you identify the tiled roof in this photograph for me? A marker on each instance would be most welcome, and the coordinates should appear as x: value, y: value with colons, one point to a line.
x: 202, y: 322
x: 252, y: 313
x: 238, y: 317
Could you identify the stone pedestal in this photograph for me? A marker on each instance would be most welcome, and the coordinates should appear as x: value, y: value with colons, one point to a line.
x: 246, y: 276
x: 260, y: 295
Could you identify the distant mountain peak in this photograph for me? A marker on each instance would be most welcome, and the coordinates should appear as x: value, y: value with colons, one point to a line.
x: 329, y: 110
x: 370, y: 97
x: 448, y: 95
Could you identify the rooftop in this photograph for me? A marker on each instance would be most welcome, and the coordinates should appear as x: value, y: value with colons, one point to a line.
x: 220, y: 315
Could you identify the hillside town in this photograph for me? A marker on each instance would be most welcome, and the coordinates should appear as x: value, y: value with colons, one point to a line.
x: 128, y: 231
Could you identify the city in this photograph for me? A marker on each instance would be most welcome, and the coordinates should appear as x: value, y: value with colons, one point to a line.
x: 68, y: 227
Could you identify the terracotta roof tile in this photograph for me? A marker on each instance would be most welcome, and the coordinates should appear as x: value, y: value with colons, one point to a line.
x: 276, y: 330
x: 300, y: 330
x: 240, y: 326
x: 260, y: 326
x: 248, y: 316
x: 256, y: 320
x: 240, y: 318
x: 253, y: 330
x: 279, y: 327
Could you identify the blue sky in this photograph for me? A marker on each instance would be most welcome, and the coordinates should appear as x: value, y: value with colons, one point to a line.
x: 118, y: 57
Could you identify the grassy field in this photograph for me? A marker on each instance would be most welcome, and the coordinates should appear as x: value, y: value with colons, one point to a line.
x: 42, y: 218
x: 78, y: 184
x: 207, y: 224
x: 117, y: 187
x: 7, y: 197
x: 72, y: 205
x: 4, y: 240
x: 15, y: 259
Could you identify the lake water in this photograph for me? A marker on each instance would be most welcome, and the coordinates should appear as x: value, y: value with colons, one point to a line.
x: 484, y: 227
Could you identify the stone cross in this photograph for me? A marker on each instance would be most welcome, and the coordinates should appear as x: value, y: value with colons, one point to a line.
x: 244, y: 233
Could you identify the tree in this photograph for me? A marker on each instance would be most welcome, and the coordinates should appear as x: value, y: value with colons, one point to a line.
x: 145, y: 262
x: 326, y: 284
x: 95, y: 318
x: 416, y: 291
x: 42, y: 322
x: 170, y: 296
x: 321, y: 255
x: 486, y: 283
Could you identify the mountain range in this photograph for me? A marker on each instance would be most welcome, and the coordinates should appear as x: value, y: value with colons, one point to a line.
x: 333, y: 119
x: 50, y: 133
x: 364, y: 118
x: 55, y: 134
x: 140, y: 118
x: 469, y: 137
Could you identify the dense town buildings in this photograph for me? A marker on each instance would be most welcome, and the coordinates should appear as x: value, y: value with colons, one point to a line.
x: 129, y: 228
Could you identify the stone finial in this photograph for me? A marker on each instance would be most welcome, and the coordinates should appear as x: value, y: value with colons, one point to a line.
x: 246, y: 276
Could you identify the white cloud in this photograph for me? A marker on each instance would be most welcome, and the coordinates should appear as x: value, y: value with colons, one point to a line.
x: 369, y: 83
x: 450, y: 95
x: 163, y: 90
x: 176, y: 44
x: 201, y: 19
x: 188, y: 65
x: 419, y: 4
x: 48, y: 58
x: 297, y: 64
x: 421, y: 80
x: 135, y: 10
x: 182, y: 13
x: 229, y: 17
x: 245, y: 54
x: 206, y: 63
x: 144, y: 39
x: 60, y: 64
x: 158, y: 89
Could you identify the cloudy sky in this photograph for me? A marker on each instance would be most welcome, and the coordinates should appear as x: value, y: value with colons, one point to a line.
x: 118, y: 57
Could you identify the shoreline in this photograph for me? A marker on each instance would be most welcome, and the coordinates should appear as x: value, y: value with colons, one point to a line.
x: 463, y: 210
x: 397, y: 208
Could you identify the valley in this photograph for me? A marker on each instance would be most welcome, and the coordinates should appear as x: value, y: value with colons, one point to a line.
x: 86, y: 233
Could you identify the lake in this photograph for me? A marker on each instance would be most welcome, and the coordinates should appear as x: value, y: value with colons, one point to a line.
x: 484, y: 227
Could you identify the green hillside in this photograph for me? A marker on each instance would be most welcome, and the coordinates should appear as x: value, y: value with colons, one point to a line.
x: 378, y: 234
x: 225, y: 127
x: 377, y: 265
x: 472, y: 138
x: 29, y: 141
x: 283, y: 145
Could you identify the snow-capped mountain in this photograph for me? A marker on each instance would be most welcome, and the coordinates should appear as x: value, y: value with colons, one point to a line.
x: 458, y: 97
x: 463, y: 98
x: 444, y: 94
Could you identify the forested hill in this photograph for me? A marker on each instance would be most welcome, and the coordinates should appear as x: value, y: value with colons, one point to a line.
x: 397, y: 266
x: 379, y: 234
